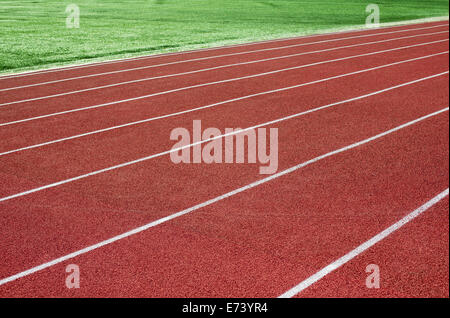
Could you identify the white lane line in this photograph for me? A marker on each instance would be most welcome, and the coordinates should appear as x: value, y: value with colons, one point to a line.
x: 363, y: 247
x: 208, y: 84
x: 209, y: 202
x: 124, y: 60
x: 214, y: 105
x: 213, y: 57
x: 129, y: 163
x: 196, y: 71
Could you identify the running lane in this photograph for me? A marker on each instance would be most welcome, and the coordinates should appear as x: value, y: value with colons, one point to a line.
x: 67, y: 159
x: 413, y: 262
x: 260, y: 242
x: 48, y: 224
x: 51, y: 223
x: 22, y: 134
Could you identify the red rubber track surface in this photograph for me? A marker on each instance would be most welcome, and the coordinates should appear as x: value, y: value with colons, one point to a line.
x: 262, y: 241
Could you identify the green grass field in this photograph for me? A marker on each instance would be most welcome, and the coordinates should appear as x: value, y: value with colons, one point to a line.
x: 33, y: 34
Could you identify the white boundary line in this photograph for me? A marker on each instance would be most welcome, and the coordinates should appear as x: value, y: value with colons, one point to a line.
x: 209, y: 84
x: 352, y: 29
x: 129, y: 163
x: 213, y: 105
x: 216, y: 57
x: 209, y: 202
x: 363, y: 247
x: 196, y: 71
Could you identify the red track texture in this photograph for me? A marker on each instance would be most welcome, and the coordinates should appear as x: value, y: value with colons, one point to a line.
x: 256, y: 242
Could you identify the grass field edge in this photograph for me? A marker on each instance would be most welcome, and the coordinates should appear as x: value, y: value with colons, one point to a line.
x: 218, y: 44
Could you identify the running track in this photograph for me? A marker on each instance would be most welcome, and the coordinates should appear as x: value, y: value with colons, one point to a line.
x: 363, y: 123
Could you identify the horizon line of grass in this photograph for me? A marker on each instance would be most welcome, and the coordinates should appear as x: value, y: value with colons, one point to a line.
x: 34, y: 35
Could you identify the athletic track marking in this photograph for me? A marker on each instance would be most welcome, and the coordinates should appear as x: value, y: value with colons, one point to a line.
x: 229, y: 194
x: 363, y: 247
x: 319, y: 274
x: 52, y: 185
x: 212, y: 83
x: 233, y: 100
